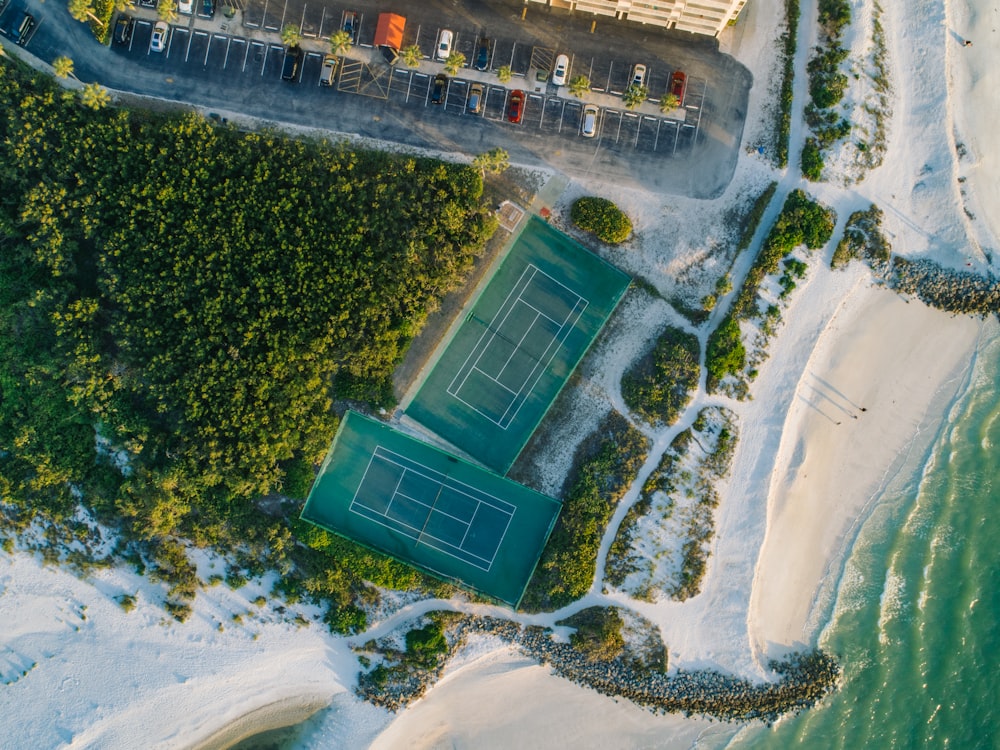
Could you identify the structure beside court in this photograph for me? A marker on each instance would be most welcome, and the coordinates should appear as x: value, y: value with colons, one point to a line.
x: 395, y: 494
x: 526, y: 333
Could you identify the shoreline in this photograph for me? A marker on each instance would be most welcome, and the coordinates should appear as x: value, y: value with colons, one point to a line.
x: 278, y: 714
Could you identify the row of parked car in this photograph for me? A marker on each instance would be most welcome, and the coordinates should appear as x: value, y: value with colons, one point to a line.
x: 16, y: 24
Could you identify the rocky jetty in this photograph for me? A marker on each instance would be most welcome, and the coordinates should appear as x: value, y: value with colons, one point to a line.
x: 944, y: 288
x: 804, y: 679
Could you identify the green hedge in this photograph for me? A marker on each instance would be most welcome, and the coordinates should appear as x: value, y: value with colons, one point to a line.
x: 659, y: 385
x: 603, y: 218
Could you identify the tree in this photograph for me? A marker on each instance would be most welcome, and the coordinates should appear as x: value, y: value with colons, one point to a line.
x: 669, y: 102
x: 95, y: 96
x: 411, y: 56
x: 62, y: 66
x: 579, y: 86
x: 455, y: 61
x: 82, y: 11
x: 635, y: 95
x: 291, y: 35
x: 494, y: 161
x: 167, y: 10
x: 340, y: 42
x: 504, y: 73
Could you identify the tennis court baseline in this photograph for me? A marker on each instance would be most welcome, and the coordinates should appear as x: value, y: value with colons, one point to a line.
x: 427, y: 508
x: 510, y: 357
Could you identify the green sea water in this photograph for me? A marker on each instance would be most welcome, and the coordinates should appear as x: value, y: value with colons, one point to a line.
x: 916, y: 620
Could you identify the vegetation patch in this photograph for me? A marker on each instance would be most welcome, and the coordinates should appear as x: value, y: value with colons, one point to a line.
x: 598, y: 633
x: 753, y: 217
x: 785, y: 94
x: 659, y: 385
x: 605, y: 464
x: 801, y: 222
x: 179, y: 304
x: 662, y: 547
x: 601, y: 217
x: 863, y: 239
x: 827, y: 84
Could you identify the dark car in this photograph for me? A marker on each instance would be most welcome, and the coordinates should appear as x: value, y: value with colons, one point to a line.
x: 483, y: 54
x: 677, y: 86
x: 149, y: 3
x: 123, y: 29
x: 351, y: 24
x: 440, y: 89
x: 18, y: 26
x: 207, y: 9
x: 290, y: 65
x: 515, y: 108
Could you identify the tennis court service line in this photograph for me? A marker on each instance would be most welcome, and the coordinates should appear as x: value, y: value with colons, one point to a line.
x: 513, y: 344
x: 461, y: 521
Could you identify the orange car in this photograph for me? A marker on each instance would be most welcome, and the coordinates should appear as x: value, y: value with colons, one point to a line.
x: 677, y: 86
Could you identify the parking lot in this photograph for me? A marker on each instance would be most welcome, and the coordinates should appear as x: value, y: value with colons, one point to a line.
x: 230, y: 66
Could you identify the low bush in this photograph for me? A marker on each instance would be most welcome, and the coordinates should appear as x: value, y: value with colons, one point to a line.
x: 658, y: 387
x: 598, y: 633
x: 812, y: 160
x: 603, y: 218
x: 752, y: 219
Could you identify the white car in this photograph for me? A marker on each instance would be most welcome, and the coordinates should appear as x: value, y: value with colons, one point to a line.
x: 588, y: 126
x: 639, y: 75
x: 186, y: 7
x: 445, y: 39
x: 562, y: 68
x: 161, y: 33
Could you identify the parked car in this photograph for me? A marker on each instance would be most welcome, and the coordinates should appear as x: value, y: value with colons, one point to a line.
x: 639, y: 75
x: 123, y: 29
x: 588, y: 125
x: 562, y: 68
x: 186, y: 7
x: 18, y: 26
x: 678, y: 85
x: 515, y: 107
x: 351, y: 24
x: 161, y: 35
x: 475, y: 102
x: 445, y: 38
x: 439, y: 89
x: 483, y: 54
x: 290, y: 65
x: 207, y: 9
x: 328, y: 71
x: 148, y: 4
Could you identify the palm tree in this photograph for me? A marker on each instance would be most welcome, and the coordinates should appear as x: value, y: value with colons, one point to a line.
x: 411, y: 56
x: 669, y: 102
x: 95, y: 96
x: 122, y: 5
x: 455, y: 61
x: 291, y: 35
x: 340, y: 42
x: 82, y: 11
x: 504, y: 73
x: 635, y: 95
x: 494, y: 161
x: 62, y: 66
x: 579, y: 86
x: 167, y: 10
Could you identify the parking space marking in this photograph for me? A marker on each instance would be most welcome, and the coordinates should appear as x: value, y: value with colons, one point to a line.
x: 229, y: 47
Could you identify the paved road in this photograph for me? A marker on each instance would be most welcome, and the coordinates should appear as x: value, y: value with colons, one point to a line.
x: 231, y: 65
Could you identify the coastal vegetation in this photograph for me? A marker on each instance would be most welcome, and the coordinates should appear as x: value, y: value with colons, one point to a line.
x: 785, y: 93
x: 180, y: 304
x: 659, y: 385
x: 663, y: 544
x: 753, y: 217
x: 604, y: 466
x: 801, y: 222
x: 602, y: 218
x: 862, y: 238
x: 827, y: 84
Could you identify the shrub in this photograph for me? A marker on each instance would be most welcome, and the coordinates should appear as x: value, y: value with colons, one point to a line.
x: 598, y: 633
x: 752, y: 220
x: 812, y: 160
x: 603, y: 218
x: 725, y: 353
x: 425, y: 646
x: 659, y: 385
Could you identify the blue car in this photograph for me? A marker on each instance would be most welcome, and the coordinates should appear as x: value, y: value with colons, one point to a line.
x: 483, y: 54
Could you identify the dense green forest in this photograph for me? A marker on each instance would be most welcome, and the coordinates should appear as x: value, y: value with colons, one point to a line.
x: 180, y: 305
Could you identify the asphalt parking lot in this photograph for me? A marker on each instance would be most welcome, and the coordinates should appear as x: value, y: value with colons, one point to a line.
x: 233, y: 65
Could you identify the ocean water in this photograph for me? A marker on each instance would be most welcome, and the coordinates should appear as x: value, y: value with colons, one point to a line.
x: 916, y: 620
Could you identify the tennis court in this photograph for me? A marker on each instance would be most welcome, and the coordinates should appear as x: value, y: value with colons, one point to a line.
x: 395, y: 494
x: 509, y: 359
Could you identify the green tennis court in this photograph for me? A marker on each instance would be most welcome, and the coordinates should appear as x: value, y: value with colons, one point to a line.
x: 427, y: 508
x: 511, y: 356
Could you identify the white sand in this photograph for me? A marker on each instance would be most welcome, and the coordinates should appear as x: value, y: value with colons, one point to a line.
x: 78, y: 672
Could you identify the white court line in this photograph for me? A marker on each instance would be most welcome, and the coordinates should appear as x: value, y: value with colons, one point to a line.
x: 398, y: 525
x: 483, y: 346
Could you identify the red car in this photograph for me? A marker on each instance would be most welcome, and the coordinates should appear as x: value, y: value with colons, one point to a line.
x: 515, y: 110
x: 677, y: 86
